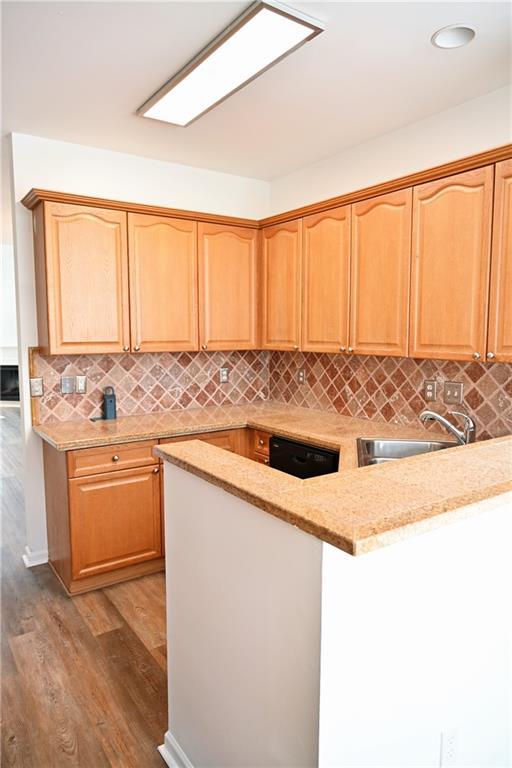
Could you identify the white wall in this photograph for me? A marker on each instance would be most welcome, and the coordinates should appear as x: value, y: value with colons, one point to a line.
x: 66, y: 167
x: 8, y: 332
x: 471, y: 127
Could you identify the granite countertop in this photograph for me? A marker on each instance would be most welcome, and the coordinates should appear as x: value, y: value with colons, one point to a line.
x: 359, y: 510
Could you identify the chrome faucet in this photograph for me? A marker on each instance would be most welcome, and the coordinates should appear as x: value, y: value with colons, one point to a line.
x: 467, y: 435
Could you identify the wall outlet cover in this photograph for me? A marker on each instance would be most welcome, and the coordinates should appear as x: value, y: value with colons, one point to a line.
x: 81, y: 385
x: 67, y: 385
x: 223, y: 375
x: 430, y: 390
x: 36, y: 387
x: 301, y: 376
x: 453, y: 393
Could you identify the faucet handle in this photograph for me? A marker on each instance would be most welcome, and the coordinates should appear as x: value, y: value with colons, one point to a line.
x: 469, y: 426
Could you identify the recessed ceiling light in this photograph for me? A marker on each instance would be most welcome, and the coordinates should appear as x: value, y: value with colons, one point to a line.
x: 454, y: 36
x: 265, y: 33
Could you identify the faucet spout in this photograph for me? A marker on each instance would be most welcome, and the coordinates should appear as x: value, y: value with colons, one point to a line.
x: 467, y: 435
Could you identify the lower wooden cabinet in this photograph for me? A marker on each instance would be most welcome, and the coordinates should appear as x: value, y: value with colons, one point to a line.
x: 115, y: 520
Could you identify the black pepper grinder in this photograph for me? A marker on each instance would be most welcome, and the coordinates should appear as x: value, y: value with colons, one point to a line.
x: 109, y: 403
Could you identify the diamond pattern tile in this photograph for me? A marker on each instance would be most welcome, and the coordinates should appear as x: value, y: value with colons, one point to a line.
x: 392, y: 388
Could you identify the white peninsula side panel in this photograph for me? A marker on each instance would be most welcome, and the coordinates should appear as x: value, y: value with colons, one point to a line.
x: 243, y: 602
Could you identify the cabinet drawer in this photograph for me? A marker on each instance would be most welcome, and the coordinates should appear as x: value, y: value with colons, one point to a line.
x: 260, y: 458
x: 260, y: 441
x: 106, y: 458
x: 228, y: 439
x: 115, y: 520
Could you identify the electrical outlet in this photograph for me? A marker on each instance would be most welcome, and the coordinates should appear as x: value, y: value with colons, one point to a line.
x: 223, y: 375
x: 81, y: 385
x: 301, y: 376
x: 67, y: 385
x: 36, y: 387
x: 448, y: 748
x: 430, y: 390
x: 453, y: 392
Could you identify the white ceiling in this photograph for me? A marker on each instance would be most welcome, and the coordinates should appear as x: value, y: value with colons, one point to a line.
x: 77, y: 71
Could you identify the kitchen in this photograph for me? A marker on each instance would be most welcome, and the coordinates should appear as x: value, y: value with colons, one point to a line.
x: 196, y: 349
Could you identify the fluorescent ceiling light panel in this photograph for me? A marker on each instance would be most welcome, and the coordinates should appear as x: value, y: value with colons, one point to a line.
x: 259, y: 38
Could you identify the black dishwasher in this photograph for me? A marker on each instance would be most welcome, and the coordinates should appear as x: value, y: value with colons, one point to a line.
x: 300, y: 459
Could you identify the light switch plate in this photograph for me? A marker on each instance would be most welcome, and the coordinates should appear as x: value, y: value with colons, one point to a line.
x: 36, y: 387
x: 301, y: 376
x: 224, y: 375
x: 453, y: 393
x: 81, y: 385
x: 67, y: 385
x: 430, y: 390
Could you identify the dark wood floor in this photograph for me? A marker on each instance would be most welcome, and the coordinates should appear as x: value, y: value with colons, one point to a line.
x: 83, y: 678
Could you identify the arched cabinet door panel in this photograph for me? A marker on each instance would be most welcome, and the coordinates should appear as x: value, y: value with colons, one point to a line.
x: 83, y: 273
x: 163, y: 283
x: 325, y: 280
x: 227, y: 286
x: 499, y: 342
x: 450, y: 266
x: 380, y: 270
x: 281, y: 250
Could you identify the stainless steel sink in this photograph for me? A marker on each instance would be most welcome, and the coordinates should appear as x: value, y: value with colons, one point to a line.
x: 379, y: 451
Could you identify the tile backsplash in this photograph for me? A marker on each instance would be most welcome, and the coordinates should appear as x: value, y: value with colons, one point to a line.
x: 150, y: 382
x: 392, y: 388
x: 368, y: 387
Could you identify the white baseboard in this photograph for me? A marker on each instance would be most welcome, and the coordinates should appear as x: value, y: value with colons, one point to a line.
x: 173, y: 754
x: 31, y: 558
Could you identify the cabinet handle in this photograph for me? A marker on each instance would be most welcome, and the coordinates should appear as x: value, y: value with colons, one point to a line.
x: 136, y: 349
x: 156, y: 470
x: 343, y: 349
x: 491, y: 355
x: 351, y: 349
x: 205, y: 346
x: 115, y: 457
x: 476, y: 355
x: 261, y: 442
x: 126, y: 349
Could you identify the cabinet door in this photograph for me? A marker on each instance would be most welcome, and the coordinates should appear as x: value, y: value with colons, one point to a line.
x: 499, y: 342
x: 115, y: 520
x: 281, y: 279
x: 380, y: 270
x: 450, y: 266
x: 86, y: 279
x: 162, y: 255
x: 227, y: 287
x: 325, y: 280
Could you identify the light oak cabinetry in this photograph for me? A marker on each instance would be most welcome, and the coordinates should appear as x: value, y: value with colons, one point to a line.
x: 81, y: 279
x: 163, y: 283
x: 281, y: 254
x: 227, y: 287
x: 258, y: 445
x: 325, y: 280
x: 104, y: 514
x: 450, y: 266
x: 499, y: 342
x: 380, y: 269
x: 229, y: 439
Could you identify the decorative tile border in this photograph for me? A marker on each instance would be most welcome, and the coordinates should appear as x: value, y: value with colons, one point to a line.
x: 392, y: 388
x: 151, y: 382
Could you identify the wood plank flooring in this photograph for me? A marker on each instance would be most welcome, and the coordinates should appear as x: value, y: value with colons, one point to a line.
x: 83, y: 678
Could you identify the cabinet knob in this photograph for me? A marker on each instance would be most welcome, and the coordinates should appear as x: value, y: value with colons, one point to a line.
x: 351, y: 349
x: 115, y: 457
x: 491, y: 355
x: 343, y: 349
x: 476, y: 355
x: 156, y: 470
x: 261, y: 442
x: 136, y: 348
x: 205, y: 346
x: 265, y: 461
x: 126, y: 349
x: 295, y: 346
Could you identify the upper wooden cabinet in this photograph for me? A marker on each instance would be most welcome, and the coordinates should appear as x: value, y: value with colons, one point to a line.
x: 380, y: 269
x: 81, y: 279
x: 325, y: 280
x: 281, y: 285
x: 499, y: 343
x: 163, y: 283
x: 227, y: 287
x: 450, y: 266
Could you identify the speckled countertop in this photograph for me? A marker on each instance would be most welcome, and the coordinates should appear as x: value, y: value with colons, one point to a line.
x: 355, y: 509
x: 359, y: 510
